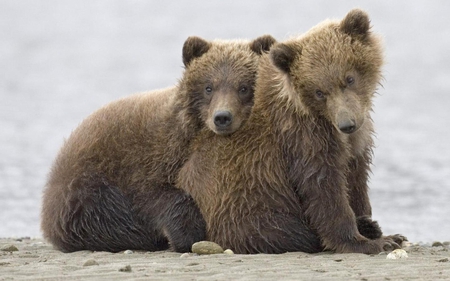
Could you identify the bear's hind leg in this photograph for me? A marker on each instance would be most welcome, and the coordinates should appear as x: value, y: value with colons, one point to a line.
x: 97, y: 216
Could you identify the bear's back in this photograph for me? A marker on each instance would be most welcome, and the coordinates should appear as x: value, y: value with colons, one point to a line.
x: 117, y: 131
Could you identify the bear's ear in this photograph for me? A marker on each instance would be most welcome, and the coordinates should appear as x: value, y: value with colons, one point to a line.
x: 262, y: 44
x: 356, y: 24
x: 194, y: 47
x: 282, y: 56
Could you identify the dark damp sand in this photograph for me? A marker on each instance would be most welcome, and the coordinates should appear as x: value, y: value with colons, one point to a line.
x: 37, y: 260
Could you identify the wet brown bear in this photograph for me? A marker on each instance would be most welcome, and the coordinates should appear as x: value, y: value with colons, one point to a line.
x: 294, y: 177
x: 111, y: 186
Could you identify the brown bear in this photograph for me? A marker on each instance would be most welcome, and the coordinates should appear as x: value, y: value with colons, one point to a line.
x: 111, y: 187
x: 294, y: 177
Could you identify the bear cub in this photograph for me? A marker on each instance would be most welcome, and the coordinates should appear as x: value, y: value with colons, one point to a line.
x: 111, y: 187
x: 294, y: 177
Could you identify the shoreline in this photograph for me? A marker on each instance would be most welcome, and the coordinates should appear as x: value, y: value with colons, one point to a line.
x: 36, y: 259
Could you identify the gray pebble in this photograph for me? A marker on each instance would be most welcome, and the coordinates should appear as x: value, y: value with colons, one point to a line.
x: 9, y: 248
x: 128, y: 252
x: 206, y: 248
x: 20, y: 239
x: 37, y: 244
x: 437, y: 244
x: 126, y: 268
x: 90, y: 262
x: 185, y: 255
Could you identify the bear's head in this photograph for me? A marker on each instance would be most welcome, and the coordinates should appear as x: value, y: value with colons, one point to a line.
x: 219, y: 81
x: 333, y: 70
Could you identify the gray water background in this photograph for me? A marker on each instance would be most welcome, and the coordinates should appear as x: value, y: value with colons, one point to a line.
x: 61, y: 60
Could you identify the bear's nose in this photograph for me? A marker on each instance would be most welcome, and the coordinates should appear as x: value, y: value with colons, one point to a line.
x: 223, y: 118
x: 348, y: 126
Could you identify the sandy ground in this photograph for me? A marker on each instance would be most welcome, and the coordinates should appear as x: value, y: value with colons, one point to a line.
x: 37, y: 260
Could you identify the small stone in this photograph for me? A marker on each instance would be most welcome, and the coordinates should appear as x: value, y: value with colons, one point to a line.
x: 443, y: 260
x: 228, y: 252
x: 90, y: 262
x: 437, y: 244
x: 9, y: 248
x: 446, y: 243
x: 397, y: 254
x: 37, y: 244
x: 20, y: 239
x: 185, y: 255
x: 406, y: 244
x: 206, y: 248
x: 128, y: 252
x: 126, y: 268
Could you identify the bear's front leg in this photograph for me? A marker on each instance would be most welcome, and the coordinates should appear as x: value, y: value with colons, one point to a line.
x: 357, y: 178
x: 368, y: 227
x: 329, y: 211
x: 358, y: 190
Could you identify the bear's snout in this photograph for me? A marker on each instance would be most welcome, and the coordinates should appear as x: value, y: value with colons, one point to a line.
x: 347, y: 126
x: 223, y: 119
x: 346, y: 113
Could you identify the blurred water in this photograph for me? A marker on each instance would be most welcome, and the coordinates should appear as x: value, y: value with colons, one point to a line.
x: 60, y: 60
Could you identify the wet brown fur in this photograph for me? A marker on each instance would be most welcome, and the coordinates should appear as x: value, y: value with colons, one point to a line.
x: 111, y: 185
x: 290, y: 179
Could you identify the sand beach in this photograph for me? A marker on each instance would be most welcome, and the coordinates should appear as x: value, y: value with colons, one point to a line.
x: 35, y: 259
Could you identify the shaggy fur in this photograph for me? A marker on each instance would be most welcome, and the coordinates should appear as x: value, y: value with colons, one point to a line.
x: 294, y: 177
x: 111, y: 187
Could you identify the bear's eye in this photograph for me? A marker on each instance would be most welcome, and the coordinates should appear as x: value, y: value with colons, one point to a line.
x: 350, y: 80
x: 320, y: 95
x: 208, y: 90
x: 243, y: 90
